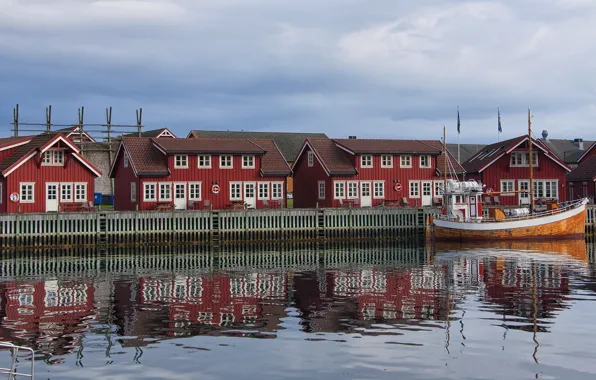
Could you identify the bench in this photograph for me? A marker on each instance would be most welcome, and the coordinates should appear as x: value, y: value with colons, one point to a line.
x: 77, y: 206
x: 162, y: 206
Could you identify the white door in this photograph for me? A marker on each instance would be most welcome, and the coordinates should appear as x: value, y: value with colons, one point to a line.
x: 427, y: 193
x: 51, y: 197
x: 524, y: 198
x: 365, y: 195
x: 180, y: 196
x: 473, y: 207
x: 250, y: 196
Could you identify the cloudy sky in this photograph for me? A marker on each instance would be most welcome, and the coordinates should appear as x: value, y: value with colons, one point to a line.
x: 371, y: 68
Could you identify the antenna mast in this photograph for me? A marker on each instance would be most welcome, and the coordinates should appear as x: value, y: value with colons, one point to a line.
x: 531, y: 161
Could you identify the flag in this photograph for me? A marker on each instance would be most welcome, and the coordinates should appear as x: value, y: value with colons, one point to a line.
x: 458, y: 122
x: 499, y: 119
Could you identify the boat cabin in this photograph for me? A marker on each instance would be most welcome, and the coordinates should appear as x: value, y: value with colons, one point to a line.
x: 463, y: 200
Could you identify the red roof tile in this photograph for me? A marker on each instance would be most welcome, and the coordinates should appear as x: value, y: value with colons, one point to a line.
x: 331, y: 157
x: 7, y: 141
x: 586, y: 171
x: 273, y: 162
x: 22, y: 151
x: 146, y: 159
x: 381, y: 146
x: 208, y: 146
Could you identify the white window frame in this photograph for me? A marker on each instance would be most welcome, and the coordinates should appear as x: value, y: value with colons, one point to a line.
x: 52, y: 155
x: 438, y: 185
x: 521, y: 159
x: 65, y: 185
x: 353, y: 185
x: 540, y: 187
x: 22, y: 199
x: 339, y: 185
x: 263, y: 185
x: 402, y: 159
x: 418, y: 189
x: 182, y: 157
x: 374, y: 190
x: 310, y: 158
x: 239, y: 198
x: 319, y: 187
x: 366, y: 161
x: 1, y: 191
x: 145, y: 186
x: 221, y: 161
x: 190, y: 192
x: 78, y: 199
x: 386, y: 161
x: 165, y: 185
x: 206, y: 161
x: 507, y: 187
x: 125, y: 159
x: 249, y: 165
x: 133, y: 191
x: 428, y: 162
x: 273, y: 191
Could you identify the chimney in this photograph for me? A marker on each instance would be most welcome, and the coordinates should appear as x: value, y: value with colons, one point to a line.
x: 545, y: 135
x: 579, y: 143
x: 352, y: 137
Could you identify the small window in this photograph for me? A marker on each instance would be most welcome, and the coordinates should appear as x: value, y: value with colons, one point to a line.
x: 507, y: 188
x: 379, y: 189
x: 439, y: 189
x: 165, y: 191
x: 425, y: 161
x: 311, y: 159
x: 340, y: 189
x: 277, y: 190
x: 405, y: 161
x: 321, y: 190
x: 366, y: 162
x: 352, y: 190
x: 53, y: 158
x: 235, y: 191
x: 80, y: 192
x: 204, y: 162
x: 264, y: 190
x: 133, y: 191
x: 248, y: 162
x: 27, y: 193
x: 225, y: 162
x: 66, y: 192
x: 181, y: 161
x: 386, y: 161
x: 414, y: 189
x: 150, y: 195
x: 1, y: 192
x: 125, y: 159
x: 194, y: 191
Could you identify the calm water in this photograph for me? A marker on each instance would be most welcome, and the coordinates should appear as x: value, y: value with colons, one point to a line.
x: 451, y: 312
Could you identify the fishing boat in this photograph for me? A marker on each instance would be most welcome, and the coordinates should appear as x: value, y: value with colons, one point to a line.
x: 462, y: 216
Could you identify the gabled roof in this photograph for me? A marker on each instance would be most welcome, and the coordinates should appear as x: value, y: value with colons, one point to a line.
x: 272, y: 163
x: 586, y: 171
x: 585, y: 153
x: 39, y: 144
x: 74, y: 130
x: 466, y: 151
x: 144, y: 157
x: 383, y: 146
x: 331, y: 157
x: 207, y: 146
x: 491, y: 153
x: 160, y: 132
x: 13, y: 142
x: 566, y: 150
x: 452, y: 164
x: 289, y: 143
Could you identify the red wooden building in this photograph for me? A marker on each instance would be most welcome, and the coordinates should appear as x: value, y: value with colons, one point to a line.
x: 364, y: 173
x: 44, y: 173
x: 590, y: 152
x: 581, y: 182
x: 504, y: 166
x: 152, y: 173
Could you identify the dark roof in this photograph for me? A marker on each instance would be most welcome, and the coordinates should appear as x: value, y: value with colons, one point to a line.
x: 586, y: 171
x: 466, y: 151
x: 149, y: 133
x: 331, y: 157
x: 23, y: 150
x: 7, y: 141
x: 146, y: 159
x: 566, y: 150
x: 208, y: 146
x: 452, y: 164
x: 490, y: 153
x: 272, y: 163
x: 289, y: 143
x: 380, y: 146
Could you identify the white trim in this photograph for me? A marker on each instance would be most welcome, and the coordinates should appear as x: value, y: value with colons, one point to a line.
x: 248, y: 166
x: 76, y: 132
x: 51, y: 143
x: 310, y: 158
x: 173, y: 189
x: 239, y: 183
x: 200, y: 185
x: 390, y: 161
x: 159, y: 147
x: 133, y: 191
x: 199, y: 161
x: 374, y: 184
x: 371, y: 161
x: 159, y: 186
x: 343, y: 187
x: 126, y: 160
x: 281, y: 190
x: 400, y: 161
x: 581, y: 157
x: 1, y: 191
x: 15, y: 145
x: 84, y: 162
x: 410, y: 189
x: 32, y: 192
x: 52, y: 158
x: 344, y: 149
x: 299, y: 156
x: 356, y: 195
x: 164, y: 132
x: 64, y: 185
x: 267, y: 186
x: 231, y: 161
x: 74, y: 193
x: 155, y: 189
x: 319, y: 183
x: 429, y: 166
x: 25, y: 159
x: 176, y: 166
x: 507, y: 194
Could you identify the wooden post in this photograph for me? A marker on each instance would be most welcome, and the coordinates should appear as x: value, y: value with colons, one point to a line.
x: 15, y: 123
x: 530, y: 164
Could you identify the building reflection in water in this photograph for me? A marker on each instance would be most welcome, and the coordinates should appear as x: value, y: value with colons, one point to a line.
x: 335, y: 290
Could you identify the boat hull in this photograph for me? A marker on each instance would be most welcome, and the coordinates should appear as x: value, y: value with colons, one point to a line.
x: 567, y: 224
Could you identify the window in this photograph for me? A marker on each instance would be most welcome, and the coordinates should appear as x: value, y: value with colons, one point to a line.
x: 425, y: 161
x: 235, y: 191
x: 311, y: 159
x: 405, y: 161
x: 225, y: 162
x: 53, y: 158
x: 263, y: 190
x: 125, y: 159
x: 414, y: 189
x: 276, y: 190
x: 133, y: 191
x: 386, y: 161
x: 194, y: 191
x: 66, y: 192
x: 507, y: 187
x: 204, y: 161
x: 150, y: 195
x: 80, y: 192
x: 248, y: 162
x: 0, y: 192
x: 27, y: 192
x: 378, y: 189
x: 180, y: 161
x: 366, y: 162
x: 352, y: 190
x: 546, y: 189
x: 165, y: 191
x: 522, y: 159
x: 439, y: 189
x: 321, y: 189
x: 339, y: 190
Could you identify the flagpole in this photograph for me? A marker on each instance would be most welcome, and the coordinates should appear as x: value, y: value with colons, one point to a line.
x: 458, y: 125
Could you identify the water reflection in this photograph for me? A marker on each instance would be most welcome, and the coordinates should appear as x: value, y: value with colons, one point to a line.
x: 105, y: 302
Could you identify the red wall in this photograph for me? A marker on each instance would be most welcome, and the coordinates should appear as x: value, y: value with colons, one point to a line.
x: 122, y: 179
x: 306, y: 190
x: 577, y: 190
x: 72, y: 171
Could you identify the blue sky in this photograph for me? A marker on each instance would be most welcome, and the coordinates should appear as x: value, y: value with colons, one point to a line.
x: 383, y: 68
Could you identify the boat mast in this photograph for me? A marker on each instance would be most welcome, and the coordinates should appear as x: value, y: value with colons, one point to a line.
x: 530, y: 159
x: 445, y: 163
